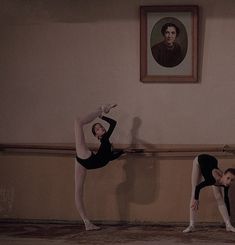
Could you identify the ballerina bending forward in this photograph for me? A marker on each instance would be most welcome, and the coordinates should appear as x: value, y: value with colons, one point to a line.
x: 206, y: 166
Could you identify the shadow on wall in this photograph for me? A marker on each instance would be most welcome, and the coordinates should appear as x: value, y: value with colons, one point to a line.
x: 140, y: 185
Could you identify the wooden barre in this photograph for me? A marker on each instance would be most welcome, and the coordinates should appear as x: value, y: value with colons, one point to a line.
x: 59, y: 148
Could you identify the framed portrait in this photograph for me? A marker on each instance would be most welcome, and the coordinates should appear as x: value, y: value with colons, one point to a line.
x: 169, y: 43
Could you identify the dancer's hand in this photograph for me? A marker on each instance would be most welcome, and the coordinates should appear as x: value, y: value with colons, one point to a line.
x: 106, y: 108
x: 195, y: 205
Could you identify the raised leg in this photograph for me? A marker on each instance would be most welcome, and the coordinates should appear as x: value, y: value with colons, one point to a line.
x: 81, y: 146
x: 82, y: 150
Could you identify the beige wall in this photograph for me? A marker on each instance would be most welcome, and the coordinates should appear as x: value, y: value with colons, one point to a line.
x: 58, y: 57
x: 134, y: 188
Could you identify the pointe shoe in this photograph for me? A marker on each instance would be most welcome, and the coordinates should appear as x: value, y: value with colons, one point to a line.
x: 106, y: 108
x: 90, y: 227
x: 230, y: 228
x: 189, y: 229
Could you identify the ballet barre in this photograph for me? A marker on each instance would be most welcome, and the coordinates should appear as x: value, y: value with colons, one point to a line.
x: 69, y: 149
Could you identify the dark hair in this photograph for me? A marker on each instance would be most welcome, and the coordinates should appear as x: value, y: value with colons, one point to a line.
x: 93, y: 128
x: 164, y: 27
x: 230, y: 170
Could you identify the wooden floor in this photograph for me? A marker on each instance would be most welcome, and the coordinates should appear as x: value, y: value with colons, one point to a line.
x: 70, y: 234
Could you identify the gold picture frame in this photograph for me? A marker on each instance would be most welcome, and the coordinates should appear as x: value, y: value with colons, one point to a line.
x: 169, y: 43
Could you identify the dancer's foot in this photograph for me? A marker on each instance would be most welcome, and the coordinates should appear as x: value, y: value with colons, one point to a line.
x: 89, y: 226
x: 230, y: 228
x: 107, y: 108
x: 189, y: 229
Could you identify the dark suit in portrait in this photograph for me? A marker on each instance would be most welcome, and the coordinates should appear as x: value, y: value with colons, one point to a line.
x: 168, y: 56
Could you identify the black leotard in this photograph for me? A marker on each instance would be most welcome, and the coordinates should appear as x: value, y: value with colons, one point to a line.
x: 105, y: 154
x: 207, y: 163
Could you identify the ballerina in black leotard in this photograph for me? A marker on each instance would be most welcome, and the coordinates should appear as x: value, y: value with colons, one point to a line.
x: 206, y: 166
x: 85, y: 159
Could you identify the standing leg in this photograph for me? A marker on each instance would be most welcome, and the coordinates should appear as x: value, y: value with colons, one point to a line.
x: 80, y: 175
x: 82, y: 151
x: 195, y: 179
x: 222, y: 208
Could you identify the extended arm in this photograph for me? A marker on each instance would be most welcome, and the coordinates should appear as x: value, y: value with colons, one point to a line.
x: 112, y: 124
